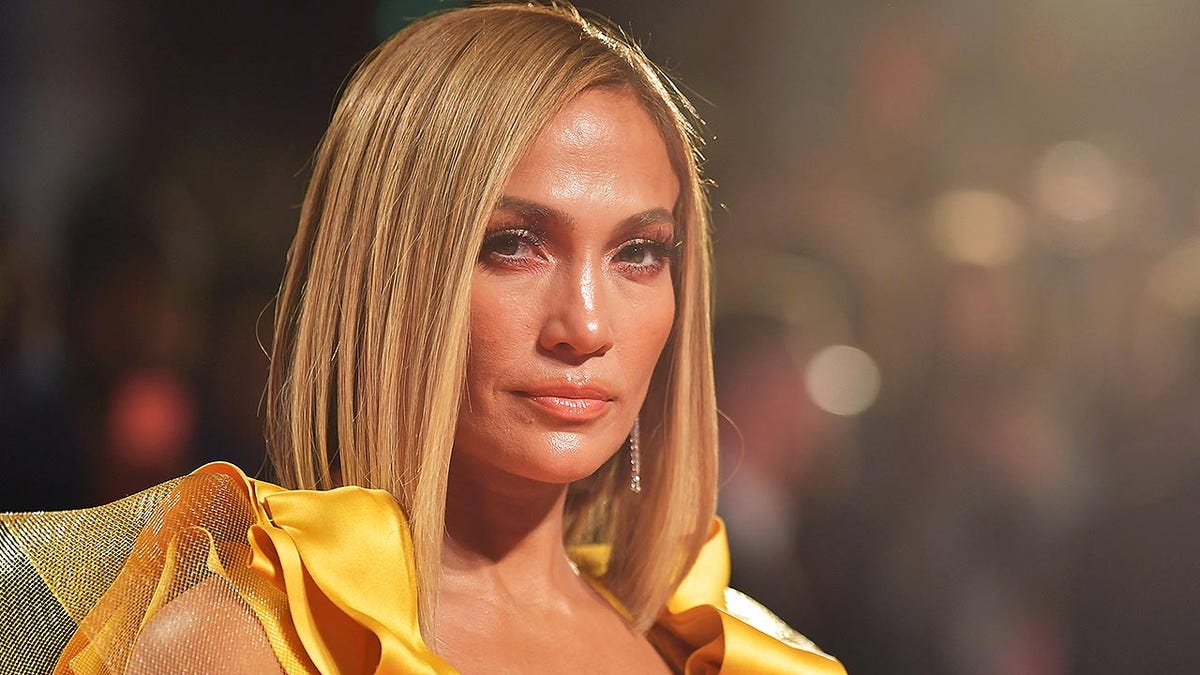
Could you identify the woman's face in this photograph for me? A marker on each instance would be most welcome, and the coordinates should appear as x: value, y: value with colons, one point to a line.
x: 571, y: 299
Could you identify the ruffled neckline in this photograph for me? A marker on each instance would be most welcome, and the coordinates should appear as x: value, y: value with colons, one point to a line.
x: 344, y: 559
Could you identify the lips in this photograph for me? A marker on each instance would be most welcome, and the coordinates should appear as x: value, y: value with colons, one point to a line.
x: 569, y: 403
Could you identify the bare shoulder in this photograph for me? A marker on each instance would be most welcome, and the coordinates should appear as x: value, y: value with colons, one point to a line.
x: 207, y: 629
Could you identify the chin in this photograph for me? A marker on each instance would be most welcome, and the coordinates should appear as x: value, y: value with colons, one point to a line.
x: 563, y: 457
x: 533, y: 450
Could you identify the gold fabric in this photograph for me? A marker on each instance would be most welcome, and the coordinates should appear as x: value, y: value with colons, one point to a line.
x: 709, y: 628
x: 325, y: 580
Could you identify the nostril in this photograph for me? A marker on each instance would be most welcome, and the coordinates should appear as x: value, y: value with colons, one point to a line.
x: 572, y: 354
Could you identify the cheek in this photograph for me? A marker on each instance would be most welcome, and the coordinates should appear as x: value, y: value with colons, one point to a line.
x: 646, y: 328
x: 498, y: 331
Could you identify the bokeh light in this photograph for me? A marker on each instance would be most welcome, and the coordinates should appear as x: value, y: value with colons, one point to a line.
x: 1077, y: 181
x: 1078, y: 184
x: 1175, y: 280
x: 976, y: 227
x: 842, y: 380
x: 151, y: 419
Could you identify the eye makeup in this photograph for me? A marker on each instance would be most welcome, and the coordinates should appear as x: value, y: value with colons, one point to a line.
x: 643, y: 244
x: 511, y: 245
x: 644, y: 257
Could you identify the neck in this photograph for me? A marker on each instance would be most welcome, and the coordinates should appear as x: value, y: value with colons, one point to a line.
x: 505, y: 532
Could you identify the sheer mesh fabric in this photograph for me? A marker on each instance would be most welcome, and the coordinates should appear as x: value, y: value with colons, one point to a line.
x: 169, y: 566
x: 190, y: 576
x: 35, y: 627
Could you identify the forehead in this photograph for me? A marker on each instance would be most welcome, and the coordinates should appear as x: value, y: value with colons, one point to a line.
x: 603, y: 143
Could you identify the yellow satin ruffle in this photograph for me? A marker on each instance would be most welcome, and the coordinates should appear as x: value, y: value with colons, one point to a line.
x: 330, y: 577
x: 733, y: 647
x: 344, y: 558
x: 698, y: 636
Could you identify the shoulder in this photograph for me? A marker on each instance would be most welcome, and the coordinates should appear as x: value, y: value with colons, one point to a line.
x: 206, y: 629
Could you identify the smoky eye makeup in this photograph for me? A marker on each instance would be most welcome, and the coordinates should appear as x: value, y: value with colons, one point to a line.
x: 517, y: 241
x: 510, y: 242
x: 647, y: 253
x: 660, y: 234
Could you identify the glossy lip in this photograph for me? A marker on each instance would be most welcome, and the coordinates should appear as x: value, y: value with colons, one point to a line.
x: 569, y: 402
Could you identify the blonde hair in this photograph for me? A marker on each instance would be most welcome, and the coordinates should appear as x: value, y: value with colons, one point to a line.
x: 371, y: 329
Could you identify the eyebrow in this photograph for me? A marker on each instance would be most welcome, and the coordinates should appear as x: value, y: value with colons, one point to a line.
x: 541, y: 213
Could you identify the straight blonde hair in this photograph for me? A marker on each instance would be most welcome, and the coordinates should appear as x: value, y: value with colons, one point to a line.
x: 369, y: 355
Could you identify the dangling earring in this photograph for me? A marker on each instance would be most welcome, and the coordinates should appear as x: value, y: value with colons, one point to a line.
x: 635, y: 457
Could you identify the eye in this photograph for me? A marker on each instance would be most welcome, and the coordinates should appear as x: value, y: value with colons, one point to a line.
x: 644, y: 254
x: 510, y: 246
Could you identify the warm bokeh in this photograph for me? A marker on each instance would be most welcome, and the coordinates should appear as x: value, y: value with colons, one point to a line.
x: 958, y: 249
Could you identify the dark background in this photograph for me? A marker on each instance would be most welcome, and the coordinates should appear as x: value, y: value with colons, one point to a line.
x: 958, y: 284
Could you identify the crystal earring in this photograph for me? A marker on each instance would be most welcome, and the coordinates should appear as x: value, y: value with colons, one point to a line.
x: 635, y: 457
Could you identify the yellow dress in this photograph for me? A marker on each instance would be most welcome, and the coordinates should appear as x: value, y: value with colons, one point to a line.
x: 328, y: 576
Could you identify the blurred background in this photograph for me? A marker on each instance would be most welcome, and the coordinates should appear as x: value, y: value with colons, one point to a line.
x: 958, y: 282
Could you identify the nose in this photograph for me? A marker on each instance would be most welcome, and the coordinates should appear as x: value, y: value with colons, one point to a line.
x: 576, y: 327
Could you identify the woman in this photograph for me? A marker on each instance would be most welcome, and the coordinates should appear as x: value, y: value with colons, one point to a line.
x: 495, y: 316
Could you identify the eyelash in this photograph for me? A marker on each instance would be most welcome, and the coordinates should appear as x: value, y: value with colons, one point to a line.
x: 532, y: 238
x: 664, y: 253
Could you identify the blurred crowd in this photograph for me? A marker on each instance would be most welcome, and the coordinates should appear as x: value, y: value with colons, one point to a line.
x: 958, y: 283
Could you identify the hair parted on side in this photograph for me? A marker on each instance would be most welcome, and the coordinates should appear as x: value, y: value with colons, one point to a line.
x: 370, y: 345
